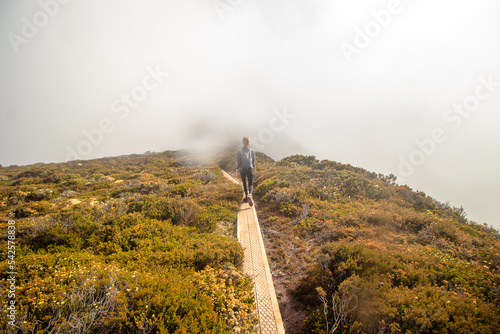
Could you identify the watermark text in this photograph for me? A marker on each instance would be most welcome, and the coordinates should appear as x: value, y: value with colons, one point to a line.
x: 122, y: 107
x: 30, y: 28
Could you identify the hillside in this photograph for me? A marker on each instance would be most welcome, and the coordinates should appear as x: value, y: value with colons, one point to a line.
x: 353, y: 252
x: 146, y: 244
x: 132, y: 244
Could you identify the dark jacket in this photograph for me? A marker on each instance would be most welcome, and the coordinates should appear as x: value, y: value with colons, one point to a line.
x: 246, y: 158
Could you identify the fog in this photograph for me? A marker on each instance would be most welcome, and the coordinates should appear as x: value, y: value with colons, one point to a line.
x: 404, y: 87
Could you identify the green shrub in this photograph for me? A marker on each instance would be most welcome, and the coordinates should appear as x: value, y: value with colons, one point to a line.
x: 305, y: 160
x: 126, y: 257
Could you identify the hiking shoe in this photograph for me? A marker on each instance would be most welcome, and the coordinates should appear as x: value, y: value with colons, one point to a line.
x: 250, y: 202
x: 245, y: 199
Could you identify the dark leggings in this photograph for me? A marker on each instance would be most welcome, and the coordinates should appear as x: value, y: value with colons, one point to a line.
x: 247, y: 174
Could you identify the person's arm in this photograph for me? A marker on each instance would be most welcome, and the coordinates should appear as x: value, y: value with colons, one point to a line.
x: 238, y: 164
x: 253, y: 161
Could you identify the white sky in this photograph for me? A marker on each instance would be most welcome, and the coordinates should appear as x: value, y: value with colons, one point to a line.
x: 227, y: 77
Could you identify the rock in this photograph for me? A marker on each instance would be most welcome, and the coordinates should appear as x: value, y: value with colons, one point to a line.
x: 68, y: 193
x: 106, y: 179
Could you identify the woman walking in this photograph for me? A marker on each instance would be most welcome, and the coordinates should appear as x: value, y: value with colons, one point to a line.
x: 246, y: 169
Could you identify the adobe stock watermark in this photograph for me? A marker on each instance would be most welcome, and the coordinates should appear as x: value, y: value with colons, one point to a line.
x: 372, y: 29
x: 454, y: 118
x: 223, y: 7
x: 122, y: 107
x: 30, y: 28
x: 11, y: 273
x: 278, y: 123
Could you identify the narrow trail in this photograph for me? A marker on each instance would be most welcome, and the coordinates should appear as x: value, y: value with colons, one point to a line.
x: 256, y: 266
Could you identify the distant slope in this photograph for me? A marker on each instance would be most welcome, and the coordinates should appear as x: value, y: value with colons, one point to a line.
x: 131, y: 244
x: 353, y: 252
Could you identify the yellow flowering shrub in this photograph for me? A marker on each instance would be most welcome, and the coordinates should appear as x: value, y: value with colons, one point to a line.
x: 231, y: 295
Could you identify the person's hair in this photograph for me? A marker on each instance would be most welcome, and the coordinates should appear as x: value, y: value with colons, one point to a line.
x: 245, y: 141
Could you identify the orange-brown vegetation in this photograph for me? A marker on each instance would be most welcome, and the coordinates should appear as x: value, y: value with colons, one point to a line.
x: 354, y: 252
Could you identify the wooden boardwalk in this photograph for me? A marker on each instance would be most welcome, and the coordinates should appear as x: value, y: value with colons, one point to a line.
x: 256, y: 266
